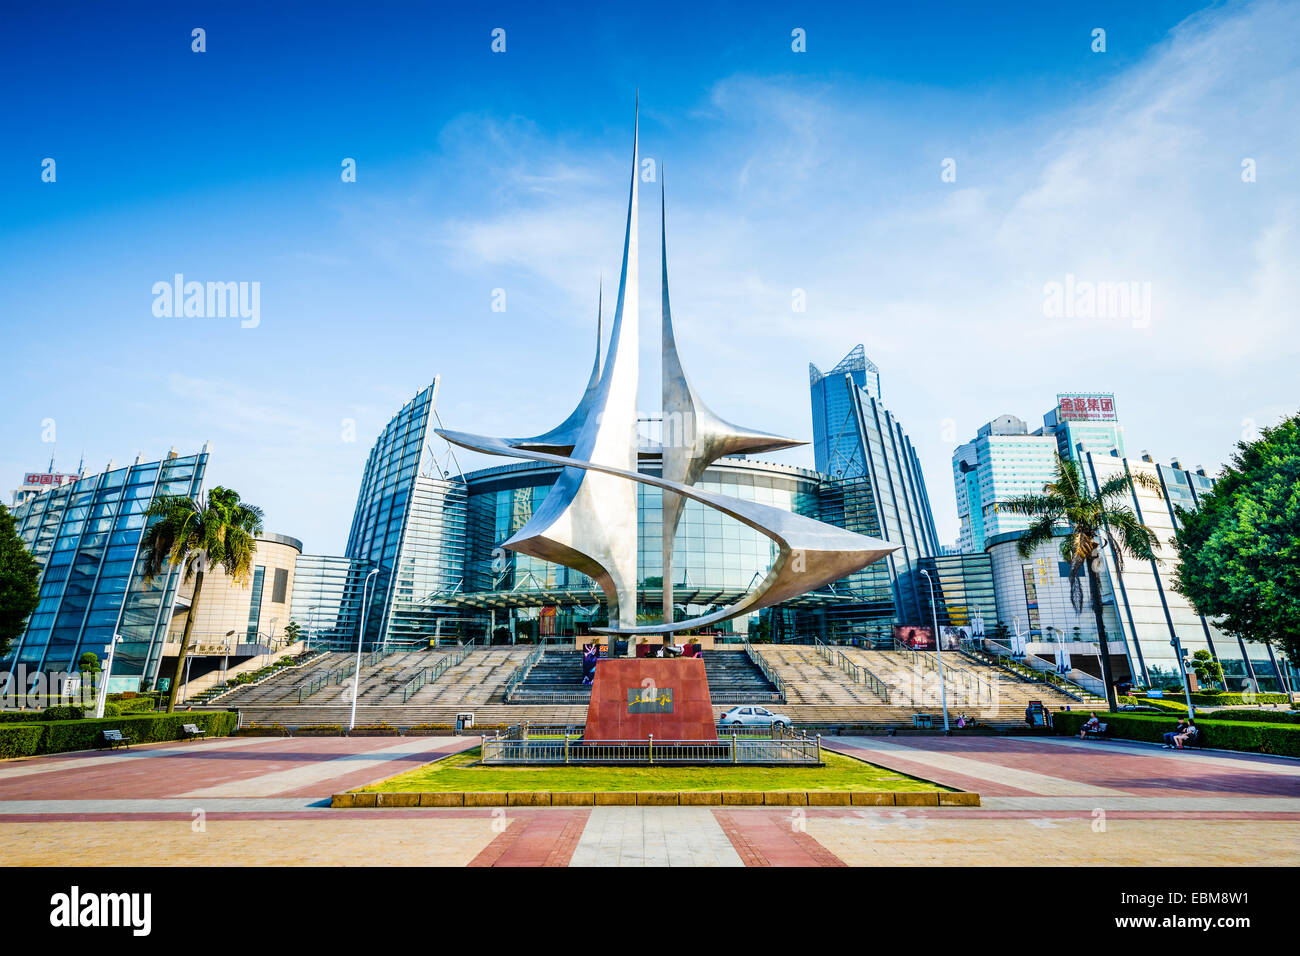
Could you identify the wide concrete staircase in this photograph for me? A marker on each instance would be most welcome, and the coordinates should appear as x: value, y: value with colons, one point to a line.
x: 735, y: 679
x: 477, y: 680
x: 810, y: 679
x: 817, y: 691
x: 987, y: 692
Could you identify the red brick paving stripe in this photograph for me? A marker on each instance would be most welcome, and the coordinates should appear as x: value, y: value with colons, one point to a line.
x: 913, y: 768
x: 350, y: 780
x: 768, y: 838
x: 562, y: 852
x: 749, y: 855
x: 122, y: 774
x: 1136, y: 770
x: 536, y: 838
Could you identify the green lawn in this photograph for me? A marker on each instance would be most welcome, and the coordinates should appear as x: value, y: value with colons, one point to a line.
x: 463, y: 772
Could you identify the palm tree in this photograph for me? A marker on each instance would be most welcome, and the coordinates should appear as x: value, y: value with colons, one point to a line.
x: 182, y: 532
x: 1093, y: 520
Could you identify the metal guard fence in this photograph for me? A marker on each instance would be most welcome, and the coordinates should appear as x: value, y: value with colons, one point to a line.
x: 793, y: 750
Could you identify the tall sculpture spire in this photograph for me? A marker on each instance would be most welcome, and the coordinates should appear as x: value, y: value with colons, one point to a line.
x: 692, y: 437
x: 588, y: 520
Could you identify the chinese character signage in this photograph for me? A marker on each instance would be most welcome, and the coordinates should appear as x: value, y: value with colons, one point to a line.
x: 1085, y: 407
x: 33, y: 479
x: 649, y: 700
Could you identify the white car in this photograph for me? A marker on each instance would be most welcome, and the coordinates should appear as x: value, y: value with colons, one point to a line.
x: 753, y: 716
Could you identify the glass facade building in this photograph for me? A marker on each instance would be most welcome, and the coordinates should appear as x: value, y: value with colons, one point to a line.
x: 1146, y: 620
x: 86, y: 537
x: 1003, y: 461
x: 876, y: 488
x: 1155, y: 619
x: 327, y: 598
x: 1007, y: 460
x: 963, y: 591
x: 384, y: 502
x: 716, y: 558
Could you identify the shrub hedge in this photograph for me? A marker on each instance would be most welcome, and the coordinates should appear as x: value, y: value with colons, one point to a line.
x: 374, y: 730
x: 134, y: 705
x: 262, y: 730
x: 28, y: 738
x: 20, y: 739
x: 1258, y: 716
x: 1225, y: 699
x: 1255, y: 737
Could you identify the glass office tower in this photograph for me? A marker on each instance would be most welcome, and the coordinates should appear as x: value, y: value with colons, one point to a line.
x: 878, y: 490
x: 410, y: 527
x: 86, y: 537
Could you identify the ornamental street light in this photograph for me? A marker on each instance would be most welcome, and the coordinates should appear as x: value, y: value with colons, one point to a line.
x: 938, y: 649
x: 361, y: 632
x: 108, y: 670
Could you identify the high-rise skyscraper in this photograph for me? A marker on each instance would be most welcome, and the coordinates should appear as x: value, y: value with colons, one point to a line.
x: 1006, y: 460
x: 878, y: 490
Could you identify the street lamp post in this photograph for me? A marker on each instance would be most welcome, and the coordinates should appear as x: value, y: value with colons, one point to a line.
x: 938, y: 649
x: 361, y: 633
x: 108, y: 671
x: 1182, y: 667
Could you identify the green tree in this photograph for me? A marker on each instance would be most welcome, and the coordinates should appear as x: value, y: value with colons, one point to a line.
x: 1239, y: 553
x: 293, y: 632
x: 221, y: 532
x: 19, y: 575
x: 1208, y: 671
x: 88, y: 667
x: 1092, y: 521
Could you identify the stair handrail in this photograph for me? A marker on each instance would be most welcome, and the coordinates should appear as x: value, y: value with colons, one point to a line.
x: 521, y: 672
x: 308, y: 655
x: 768, y: 671
x: 1009, y: 662
x: 981, y: 690
x: 428, y: 675
x: 862, y: 674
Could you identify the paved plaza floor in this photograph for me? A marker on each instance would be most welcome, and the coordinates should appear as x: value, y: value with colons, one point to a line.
x: 264, y: 801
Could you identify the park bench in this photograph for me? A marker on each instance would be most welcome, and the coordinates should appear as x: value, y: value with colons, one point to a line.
x: 114, y: 739
x: 1093, y: 734
x: 192, y: 731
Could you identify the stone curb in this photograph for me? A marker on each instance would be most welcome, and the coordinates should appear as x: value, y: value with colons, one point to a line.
x: 659, y: 798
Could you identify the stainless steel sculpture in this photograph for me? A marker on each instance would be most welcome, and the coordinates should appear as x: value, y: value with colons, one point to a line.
x: 588, y: 520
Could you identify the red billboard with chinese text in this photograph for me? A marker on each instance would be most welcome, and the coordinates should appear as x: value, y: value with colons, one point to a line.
x: 1085, y: 407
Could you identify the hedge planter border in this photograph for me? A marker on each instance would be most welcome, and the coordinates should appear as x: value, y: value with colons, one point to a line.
x: 656, y: 798
x: 34, y: 738
x: 1276, y: 739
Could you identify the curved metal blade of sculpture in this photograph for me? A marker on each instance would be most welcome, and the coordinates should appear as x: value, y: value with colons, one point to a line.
x: 810, y: 553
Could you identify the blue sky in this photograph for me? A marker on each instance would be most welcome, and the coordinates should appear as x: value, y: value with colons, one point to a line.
x: 817, y: 171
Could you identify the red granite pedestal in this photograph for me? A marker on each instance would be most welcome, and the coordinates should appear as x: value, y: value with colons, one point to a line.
x: 632, y: 698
